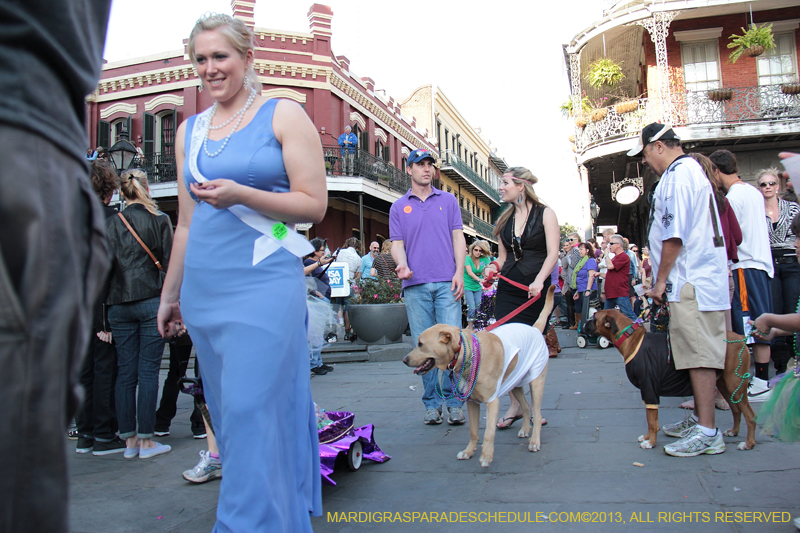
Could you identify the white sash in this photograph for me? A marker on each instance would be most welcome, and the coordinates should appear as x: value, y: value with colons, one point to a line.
x: 275, y: 234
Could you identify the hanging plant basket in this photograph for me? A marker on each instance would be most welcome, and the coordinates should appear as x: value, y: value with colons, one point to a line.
x: 580, y: 122
x: 754, y: 51
x: 790, y: 88
x: 752, y: 42
x: 598, y: 114
x: 627, y: 107
x: 720, y: 95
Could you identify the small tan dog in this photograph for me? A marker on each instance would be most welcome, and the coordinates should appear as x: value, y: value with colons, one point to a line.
x: 509, y: 357
x: 610, y: 323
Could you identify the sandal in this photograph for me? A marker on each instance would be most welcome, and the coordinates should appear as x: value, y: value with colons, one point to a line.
x: 510, y: 419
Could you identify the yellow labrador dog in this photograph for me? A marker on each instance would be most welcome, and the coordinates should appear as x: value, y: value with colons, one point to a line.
x: 506, y: 359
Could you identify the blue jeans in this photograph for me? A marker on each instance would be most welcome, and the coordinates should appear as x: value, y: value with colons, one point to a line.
x: 428, y: 304
x: 624, y: 303
x: 139, y: 352
x: 473, y: 299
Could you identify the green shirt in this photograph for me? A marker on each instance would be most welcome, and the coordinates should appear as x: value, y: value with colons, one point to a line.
x: 469, y: 283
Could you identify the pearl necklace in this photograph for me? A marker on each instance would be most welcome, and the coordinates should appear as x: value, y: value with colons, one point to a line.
x: 239, y: 114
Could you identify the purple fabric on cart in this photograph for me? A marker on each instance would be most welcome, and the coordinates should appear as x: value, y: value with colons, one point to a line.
x: 339, y: 436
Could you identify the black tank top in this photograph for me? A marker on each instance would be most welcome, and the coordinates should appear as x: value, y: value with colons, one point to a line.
x: 532, y: 241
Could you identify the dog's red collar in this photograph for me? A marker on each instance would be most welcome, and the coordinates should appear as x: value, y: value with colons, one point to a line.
x: 456, y: 351
x: 627, y: 332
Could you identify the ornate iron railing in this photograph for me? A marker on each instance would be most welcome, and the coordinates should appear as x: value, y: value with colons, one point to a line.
x: 483, y: 228
x: 365, y: 165
x: 160, y: 167
x: 735, y: 104
x: 466, y: 217
x: 730, y: 105
x: 451, y: 159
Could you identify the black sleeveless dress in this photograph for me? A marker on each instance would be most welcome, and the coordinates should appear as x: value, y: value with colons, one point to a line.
x: 534, y: 253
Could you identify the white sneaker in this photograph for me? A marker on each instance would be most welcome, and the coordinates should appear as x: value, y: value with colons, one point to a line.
x: 696, y: 443
x: 758, y: 390
x: 796, y: 522
x: 208, y: 468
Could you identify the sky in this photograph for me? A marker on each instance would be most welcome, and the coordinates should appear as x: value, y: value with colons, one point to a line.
x: 501, y: 63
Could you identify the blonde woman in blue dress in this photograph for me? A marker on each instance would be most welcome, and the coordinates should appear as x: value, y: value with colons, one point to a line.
x: 249, y: 169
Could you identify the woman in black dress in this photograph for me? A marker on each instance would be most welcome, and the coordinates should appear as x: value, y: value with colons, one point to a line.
x: 529, y: 241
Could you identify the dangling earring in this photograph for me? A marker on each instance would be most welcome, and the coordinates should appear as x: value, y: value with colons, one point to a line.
x: 519, y: 198
x: 246, y: 82
x: 200, y: 89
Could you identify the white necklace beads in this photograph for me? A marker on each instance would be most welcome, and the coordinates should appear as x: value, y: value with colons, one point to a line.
x: 239, y: 114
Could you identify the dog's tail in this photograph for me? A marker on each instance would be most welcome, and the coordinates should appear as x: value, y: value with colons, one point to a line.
x: 541, y: 322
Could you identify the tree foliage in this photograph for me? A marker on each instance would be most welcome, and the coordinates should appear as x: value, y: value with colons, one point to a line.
x: 566, y: 229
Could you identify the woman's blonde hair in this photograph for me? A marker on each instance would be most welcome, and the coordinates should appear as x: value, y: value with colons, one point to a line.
x: 520, y: 175
x: 239, y: 35
x: 772, y: 171
x: 133, y: 186
x: 386, y: 247
x: 483, y: 245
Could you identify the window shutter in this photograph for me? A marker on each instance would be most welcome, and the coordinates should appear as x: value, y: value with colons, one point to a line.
x: 149, y: 130
x: 128, y: 128
x: 103, y: 134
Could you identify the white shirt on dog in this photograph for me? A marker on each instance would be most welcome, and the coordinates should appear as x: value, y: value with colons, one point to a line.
x: 529, y: 343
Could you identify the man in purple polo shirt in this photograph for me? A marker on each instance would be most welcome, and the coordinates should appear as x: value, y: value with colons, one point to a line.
x: 429, y: 249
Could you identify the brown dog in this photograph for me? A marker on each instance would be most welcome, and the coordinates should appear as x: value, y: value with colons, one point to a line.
x: 610, y: 323
x: 524, y: 362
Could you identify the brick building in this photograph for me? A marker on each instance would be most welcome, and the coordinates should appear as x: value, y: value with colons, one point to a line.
x: 149, y: 96
x: 674, y: 56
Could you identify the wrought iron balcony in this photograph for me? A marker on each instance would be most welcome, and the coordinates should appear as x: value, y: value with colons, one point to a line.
x: 367, y: 166
x: 451, y: 161
x: 729, y: 105
x: 159, y: 166
x: 484, y: 229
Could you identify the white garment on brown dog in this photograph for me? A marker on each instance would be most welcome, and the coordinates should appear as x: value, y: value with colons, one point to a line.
x: 529, y: 343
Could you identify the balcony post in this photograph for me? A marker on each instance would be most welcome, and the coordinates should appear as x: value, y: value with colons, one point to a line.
x: 658, y: 28
x: 361, y: 221
x: 575, y: 83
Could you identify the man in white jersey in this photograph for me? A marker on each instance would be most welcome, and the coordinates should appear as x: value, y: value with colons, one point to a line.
x: 752, y: 283
x: 687, y: 252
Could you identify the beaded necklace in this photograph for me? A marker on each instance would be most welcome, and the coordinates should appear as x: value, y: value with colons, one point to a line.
x: 463, y: 380
x: 239, y: 114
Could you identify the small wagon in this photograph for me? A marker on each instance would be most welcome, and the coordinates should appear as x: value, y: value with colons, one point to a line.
x: 340, y: 441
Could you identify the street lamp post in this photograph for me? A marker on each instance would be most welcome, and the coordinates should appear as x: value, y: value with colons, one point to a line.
x: 123, y: 152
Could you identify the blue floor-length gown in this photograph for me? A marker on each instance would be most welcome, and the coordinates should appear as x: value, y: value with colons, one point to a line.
x: 248, y: 325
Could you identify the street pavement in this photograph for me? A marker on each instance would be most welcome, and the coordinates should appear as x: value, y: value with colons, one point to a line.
x: 584, y: 478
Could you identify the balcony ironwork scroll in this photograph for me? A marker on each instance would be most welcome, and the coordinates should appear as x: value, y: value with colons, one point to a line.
x: 160, y: 167
x: 451, y: 159
x: 366, y: 165
x: 735, y: 104
x: 730, y: 105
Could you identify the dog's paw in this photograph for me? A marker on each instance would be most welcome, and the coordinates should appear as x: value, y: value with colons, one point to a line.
x: 730, y: 433
x: 464, y: 455
x: 523, y: 433
x: 485, y: 461
x: 534, y: 446
x: 644, y: 444
x: 744, y: 446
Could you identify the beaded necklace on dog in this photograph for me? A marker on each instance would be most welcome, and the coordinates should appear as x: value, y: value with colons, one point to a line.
x: 463, y: 380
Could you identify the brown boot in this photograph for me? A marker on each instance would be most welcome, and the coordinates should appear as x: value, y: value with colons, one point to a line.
x: 577, y: 321
x: 551, y: 339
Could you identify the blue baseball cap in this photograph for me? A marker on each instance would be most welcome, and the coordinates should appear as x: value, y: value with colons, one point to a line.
x: 418, y: 155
